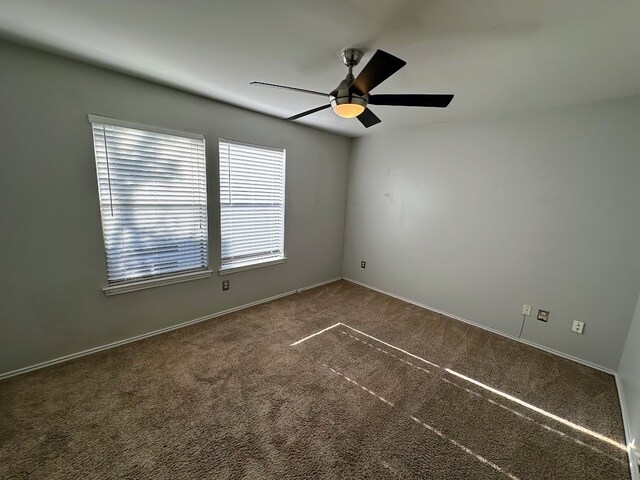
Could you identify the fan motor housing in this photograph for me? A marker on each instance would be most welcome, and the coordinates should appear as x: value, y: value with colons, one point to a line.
x: 342, y: 95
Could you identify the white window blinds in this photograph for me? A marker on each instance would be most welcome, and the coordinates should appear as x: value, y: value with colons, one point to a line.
x: 252, y: 182
x: 153, y: 200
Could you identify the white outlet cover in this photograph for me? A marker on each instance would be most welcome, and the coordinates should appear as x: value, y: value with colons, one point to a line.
x: 578, y: 326
x: 526, y: 310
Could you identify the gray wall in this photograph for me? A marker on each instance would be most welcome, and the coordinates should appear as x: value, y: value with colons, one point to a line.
x: 478, y: 218
x: 53, y: 268
x: 629, y: 374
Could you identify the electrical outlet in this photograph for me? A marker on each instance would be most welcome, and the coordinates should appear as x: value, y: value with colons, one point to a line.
x: 577, y: 327
x: 543, y: 315
x: 363, y: 264
x: 526, y: 310
x: 225, y: 285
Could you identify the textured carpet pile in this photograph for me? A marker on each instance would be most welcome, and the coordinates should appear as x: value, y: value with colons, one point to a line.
x: 395, y: 392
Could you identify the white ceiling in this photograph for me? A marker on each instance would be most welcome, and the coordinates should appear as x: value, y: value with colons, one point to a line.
x: 496, y: 56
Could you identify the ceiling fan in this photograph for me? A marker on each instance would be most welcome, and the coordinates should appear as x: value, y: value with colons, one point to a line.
x: 351, y: 97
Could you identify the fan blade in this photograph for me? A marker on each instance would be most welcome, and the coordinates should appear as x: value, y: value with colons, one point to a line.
x: 309, y: 112
x: 412, y: 100
x: 381, y: 66
x: 368, y: 118
x: 294, y: 89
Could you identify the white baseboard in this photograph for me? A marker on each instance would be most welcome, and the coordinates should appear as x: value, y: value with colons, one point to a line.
x: 319, y: 284
x: 489, y: 329
x: 89, y: 351
x: 633, y: 461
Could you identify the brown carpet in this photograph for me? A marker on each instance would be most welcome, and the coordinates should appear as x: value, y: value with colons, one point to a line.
x: 230, y: 398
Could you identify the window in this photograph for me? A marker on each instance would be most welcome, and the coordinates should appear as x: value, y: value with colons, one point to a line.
x: 153, y: 203
x: 251, y: 205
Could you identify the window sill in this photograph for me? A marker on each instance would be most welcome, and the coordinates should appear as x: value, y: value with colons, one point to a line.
x: 250, y: 266
x: 155, y: 282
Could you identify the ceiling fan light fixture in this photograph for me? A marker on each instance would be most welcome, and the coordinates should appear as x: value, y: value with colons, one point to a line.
x: 346, y: 104
x: 351, y: 97
x: 348, y: 110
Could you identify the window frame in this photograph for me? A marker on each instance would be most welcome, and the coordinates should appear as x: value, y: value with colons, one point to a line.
x: 225, y: 270
x: 142, y: 283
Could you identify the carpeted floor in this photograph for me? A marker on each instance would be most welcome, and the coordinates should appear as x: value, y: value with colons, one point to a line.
x: 395, y: 392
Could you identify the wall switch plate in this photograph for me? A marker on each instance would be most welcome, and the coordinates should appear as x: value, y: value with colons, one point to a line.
x: 526, y: 310
x: 225, y: 285
x: 577, y: 327
x: 363, y: 264
x: 543, y: 315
